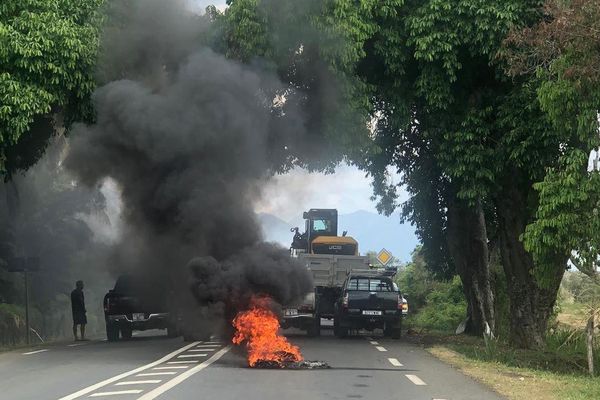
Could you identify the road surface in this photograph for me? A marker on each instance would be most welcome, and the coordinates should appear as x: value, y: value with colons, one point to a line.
x: 151, y: 366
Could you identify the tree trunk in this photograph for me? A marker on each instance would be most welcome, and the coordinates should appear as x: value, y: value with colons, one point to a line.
x: 530, y: 305
x: 468, y: 247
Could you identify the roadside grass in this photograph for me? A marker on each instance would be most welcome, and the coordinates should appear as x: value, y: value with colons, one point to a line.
x: 572, y: 314
x: 557, y: 372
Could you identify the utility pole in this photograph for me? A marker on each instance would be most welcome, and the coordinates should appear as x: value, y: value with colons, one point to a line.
x: 25, y: 265
x: 25, y: 279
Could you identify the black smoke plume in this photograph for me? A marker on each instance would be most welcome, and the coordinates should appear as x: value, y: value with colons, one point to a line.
x: 187, y: 135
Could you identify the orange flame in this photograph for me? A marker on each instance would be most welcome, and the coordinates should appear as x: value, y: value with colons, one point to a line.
x: 259, y: 328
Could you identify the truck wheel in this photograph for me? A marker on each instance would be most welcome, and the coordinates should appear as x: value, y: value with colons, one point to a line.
x: 392, y: 330
x: 126, y: 333
x: 112, y: 332
x: 315, y: 328
x: 339, y: 331
x: 397, y: 333
x: 172, y: 331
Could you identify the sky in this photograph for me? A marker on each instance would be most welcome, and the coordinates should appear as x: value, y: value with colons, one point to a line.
x: 201, y: 4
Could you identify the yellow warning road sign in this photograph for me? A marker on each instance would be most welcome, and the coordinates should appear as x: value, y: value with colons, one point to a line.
x: 384, y: 256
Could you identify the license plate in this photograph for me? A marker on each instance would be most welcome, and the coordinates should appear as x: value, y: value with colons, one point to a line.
x: 290, y: 312
x: 369, y: 312
x: 138, y: 317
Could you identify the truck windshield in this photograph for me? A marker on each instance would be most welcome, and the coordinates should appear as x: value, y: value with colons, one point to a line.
x: 321, y: 225
x: 370, y: 284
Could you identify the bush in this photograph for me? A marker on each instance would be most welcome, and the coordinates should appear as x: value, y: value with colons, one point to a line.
x: 445, y: 307
x: 12, y: 324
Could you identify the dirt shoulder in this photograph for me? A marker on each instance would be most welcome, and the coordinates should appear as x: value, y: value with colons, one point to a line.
x: 499, y: 369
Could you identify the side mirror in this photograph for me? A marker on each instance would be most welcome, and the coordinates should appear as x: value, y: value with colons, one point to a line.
x: 305, y: 215
x: 111, y: 291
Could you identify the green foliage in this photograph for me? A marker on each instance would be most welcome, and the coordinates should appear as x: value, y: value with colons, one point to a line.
x: 415, y: 281
x: 445, y: 307
x: 566, y: 67
x: 47, y: 58
x: 565, y: 352
x: 567, y: 218
x: 582, y: 288
x: 313, y: 46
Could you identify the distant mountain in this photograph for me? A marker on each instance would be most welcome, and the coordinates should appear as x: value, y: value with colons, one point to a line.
x: 372, y: 231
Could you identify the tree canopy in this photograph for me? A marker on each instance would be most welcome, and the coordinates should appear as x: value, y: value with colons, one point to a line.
x: 47, y: 61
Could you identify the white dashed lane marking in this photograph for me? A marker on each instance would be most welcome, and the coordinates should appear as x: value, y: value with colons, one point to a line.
x: 416, y: 380
x: 207, y: 345
x: 34, y: 352
x: 395, y: 362
x: 172, y: 367
x: 372, y: 342
x: 117, y: 393
x: 380, y: 348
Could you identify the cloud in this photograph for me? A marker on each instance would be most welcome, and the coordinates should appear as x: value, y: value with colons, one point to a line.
x: 288, y: 195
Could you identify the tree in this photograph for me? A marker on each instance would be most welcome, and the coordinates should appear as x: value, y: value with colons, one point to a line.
x: 456, y: 127
x: 468, y: 139
x: 47, y: 60
x: 563, y: 52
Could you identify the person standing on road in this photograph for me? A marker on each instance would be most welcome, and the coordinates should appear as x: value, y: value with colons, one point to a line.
x: 78, y: 307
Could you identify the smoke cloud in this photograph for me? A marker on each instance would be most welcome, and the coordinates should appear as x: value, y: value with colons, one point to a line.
x: 189, y: 138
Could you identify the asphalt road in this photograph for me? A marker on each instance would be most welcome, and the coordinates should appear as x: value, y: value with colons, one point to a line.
x: 150, y: 366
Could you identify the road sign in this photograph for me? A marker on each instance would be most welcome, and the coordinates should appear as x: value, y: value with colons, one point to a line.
x: 384, y: 257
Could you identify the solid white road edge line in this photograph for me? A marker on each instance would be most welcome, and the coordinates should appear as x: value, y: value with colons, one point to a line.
x: 126, y: 374
x: 138, y: 382
x: 34, y: 352
x: 395, y: 362
x: 416, y: 380
x: 101, y: 394
x: 380, y: 348
x: 182, y: 377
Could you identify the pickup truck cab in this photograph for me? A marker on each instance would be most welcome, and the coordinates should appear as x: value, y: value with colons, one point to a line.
x: 131, y: 305
x: 368, y: 301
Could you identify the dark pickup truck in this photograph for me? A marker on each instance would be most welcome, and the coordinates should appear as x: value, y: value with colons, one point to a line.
x: 131, y: 305
x: 368, y: 301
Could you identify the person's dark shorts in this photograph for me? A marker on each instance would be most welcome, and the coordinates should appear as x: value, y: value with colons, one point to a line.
x: 79, y: 319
